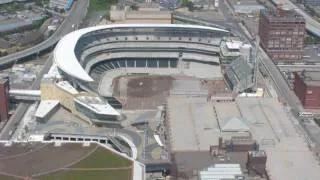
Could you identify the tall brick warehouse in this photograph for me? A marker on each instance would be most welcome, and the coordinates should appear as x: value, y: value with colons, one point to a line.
x: 4, y: 98
x: 282, y: 34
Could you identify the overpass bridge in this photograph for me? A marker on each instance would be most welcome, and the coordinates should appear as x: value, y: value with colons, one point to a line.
x: 21, y: 94
x: 76, y: 14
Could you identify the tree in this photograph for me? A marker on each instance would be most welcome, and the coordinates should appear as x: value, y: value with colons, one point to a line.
x: 185, y: 3
x: 38, y: 2
x: 134, y: 7
x: 190, y: 6
x: 61, y: 11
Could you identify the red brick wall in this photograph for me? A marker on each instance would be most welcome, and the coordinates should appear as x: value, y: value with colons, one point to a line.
x: 4, y: 95
x: 308, y: 95
x: 312, y: 97
x: 282, y: 41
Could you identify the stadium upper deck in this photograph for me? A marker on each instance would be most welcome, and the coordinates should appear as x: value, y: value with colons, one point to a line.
x: 76, y: 49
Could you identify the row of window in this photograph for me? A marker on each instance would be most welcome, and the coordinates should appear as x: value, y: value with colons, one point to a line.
x: 288, y: 32
x: 286, y: 56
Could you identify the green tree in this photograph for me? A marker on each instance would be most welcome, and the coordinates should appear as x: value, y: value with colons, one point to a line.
x: 185, y: 3
x: 190, y: 6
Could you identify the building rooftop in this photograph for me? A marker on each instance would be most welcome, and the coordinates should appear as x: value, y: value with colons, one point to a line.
x: 288, y: 153
x: 282, y: 16
x: 310, y: 78
x: 45, y: 107
x: 221, y: 171
x: 65, y: 85
x: 97, y: 105
x: 195, y: 115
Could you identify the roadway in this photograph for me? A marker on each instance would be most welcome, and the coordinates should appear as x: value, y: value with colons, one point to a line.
x: 76, y: 15
x: 299, y: 67
x: 289, y: 98
x: 312, y: 25
x: 15, y: 119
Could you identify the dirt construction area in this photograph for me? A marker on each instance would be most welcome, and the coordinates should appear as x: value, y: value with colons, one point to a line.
x: 151, y: 91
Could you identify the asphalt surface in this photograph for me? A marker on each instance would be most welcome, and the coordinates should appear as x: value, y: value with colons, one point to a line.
x: 77, y: 13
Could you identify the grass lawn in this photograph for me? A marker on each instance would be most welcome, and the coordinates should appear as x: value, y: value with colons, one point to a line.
x: 102, y: 158
x: 101, y: 5
x: 88, y: 175
x: 4, y: 177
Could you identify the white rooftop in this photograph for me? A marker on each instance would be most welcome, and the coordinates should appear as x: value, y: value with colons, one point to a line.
x: 97, y: 105
x: 36, y: 137
x: 221, y: 171
x: 45, y: 107
x: 233, y: 44
x: 65, y: 85
x: 66, y: 60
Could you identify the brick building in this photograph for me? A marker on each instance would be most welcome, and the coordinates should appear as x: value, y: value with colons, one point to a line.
x: 4, y: 99
x: 307, y: 88
x: 282, y: 34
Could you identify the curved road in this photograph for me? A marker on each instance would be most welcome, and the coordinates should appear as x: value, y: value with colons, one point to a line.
x: 76, y: 14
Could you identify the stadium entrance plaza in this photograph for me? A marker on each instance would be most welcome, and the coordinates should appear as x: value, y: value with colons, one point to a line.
x: 268, y: 121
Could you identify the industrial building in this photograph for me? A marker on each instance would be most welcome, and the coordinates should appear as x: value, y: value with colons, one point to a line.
x: 311, y: 2
x: 61, y: 4
x: 282, y: 34
x: 307, y: 88
x: 4, y: 99
x: 143, y: 15
x: 245, y: 7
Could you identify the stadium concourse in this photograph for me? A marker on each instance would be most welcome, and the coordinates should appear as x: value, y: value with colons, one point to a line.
x: 87, y: 61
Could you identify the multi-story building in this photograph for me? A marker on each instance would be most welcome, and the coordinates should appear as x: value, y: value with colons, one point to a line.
x: 4, y: 98
x: 282, y: 34
x: 307, y: 88
x: 311, y: 2
x: 61, y: 4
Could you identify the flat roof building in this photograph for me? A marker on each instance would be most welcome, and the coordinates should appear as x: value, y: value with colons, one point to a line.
x: 307, y: 88
x: 282, y: 34
x: 61, y: 4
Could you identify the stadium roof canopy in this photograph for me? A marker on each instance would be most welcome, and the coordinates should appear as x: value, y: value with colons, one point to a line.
x: 66, y: 60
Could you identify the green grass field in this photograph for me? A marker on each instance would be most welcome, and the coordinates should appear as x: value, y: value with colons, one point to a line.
x: 89, y: 175
x: 101, y: 5
x: 4, y: 177
x: 101, y: 158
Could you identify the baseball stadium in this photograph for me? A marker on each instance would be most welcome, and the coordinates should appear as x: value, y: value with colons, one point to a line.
x: 131, y: 66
